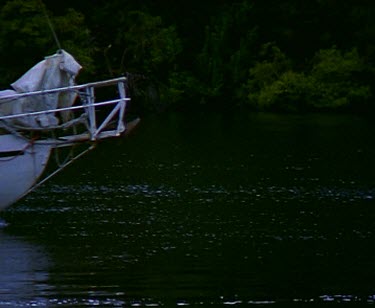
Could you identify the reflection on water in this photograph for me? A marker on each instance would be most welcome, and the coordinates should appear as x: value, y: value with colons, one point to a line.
x: 23, y: 272
x: 245, y: 210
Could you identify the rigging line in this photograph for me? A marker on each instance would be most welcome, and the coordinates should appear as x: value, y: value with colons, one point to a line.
x: 60, y: 168
x: 50, y: 24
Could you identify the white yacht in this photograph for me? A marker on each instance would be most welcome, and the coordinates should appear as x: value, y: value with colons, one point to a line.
x: 45, y: 111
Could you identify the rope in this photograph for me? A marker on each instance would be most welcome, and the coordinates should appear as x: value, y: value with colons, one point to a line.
x: 57, y: 156
x: 59, y: 169
x: 43, y: 7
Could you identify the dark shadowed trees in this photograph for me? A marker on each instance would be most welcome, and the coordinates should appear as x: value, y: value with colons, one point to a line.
x: 271, y: 55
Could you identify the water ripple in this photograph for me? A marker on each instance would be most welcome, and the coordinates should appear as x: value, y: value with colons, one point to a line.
x: 119, y: 302
x: 143, y: 193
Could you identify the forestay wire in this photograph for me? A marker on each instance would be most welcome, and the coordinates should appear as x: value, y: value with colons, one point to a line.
x: 43, y: 7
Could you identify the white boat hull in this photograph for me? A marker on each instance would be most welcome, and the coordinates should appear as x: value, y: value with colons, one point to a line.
x: 23, y: 158
x: 21, y: 164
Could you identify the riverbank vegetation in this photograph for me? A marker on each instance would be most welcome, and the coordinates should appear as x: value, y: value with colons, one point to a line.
x: 290, y: 55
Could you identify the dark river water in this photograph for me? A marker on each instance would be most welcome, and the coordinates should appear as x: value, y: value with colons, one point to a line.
x: 202, y: 210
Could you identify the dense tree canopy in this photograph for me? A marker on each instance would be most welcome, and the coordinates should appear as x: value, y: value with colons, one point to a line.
x: 264, y: 54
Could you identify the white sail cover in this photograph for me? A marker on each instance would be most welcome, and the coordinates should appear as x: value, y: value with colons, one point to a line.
x: 56, y: 71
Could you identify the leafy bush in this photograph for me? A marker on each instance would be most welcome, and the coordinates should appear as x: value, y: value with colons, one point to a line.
x: 330, y: 83
x: 334, y: 75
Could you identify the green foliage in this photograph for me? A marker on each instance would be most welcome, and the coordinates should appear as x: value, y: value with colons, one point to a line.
x: 266, y: 82
x: 144, y: 47
x: 76, y: 38
x: 330, y: 83
x: 182, y: 88
x: 268, y: 55
x: 226, y: 53
x: 147, y: 46
x: 331, y: 64
x: 333, y: 80
x: 334, y: 74
x: 23, y: 30
x: 290, y: 92
x: 25, y: 37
